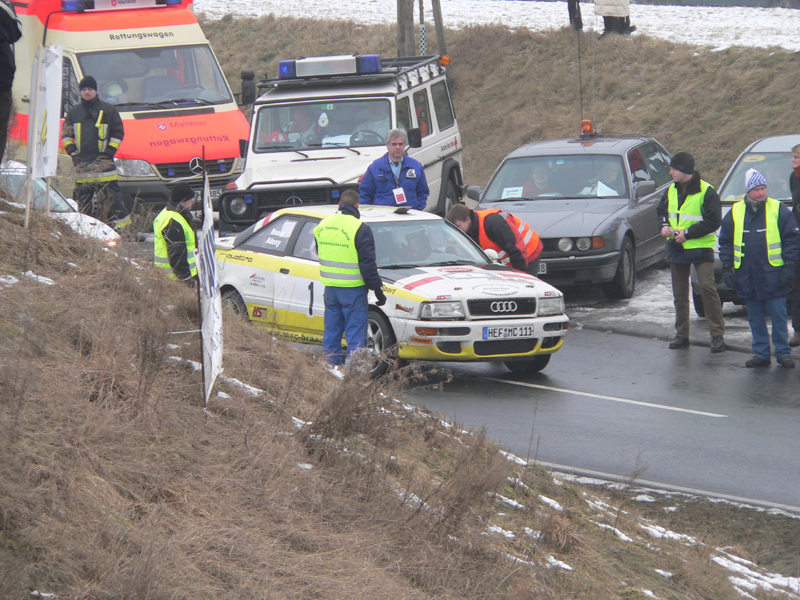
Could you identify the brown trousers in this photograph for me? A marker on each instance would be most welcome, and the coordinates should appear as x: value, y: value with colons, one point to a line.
x: 681, y: 285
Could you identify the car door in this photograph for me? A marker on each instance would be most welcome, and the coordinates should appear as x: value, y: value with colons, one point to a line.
x: 648, y: 162
x: 306, y: 306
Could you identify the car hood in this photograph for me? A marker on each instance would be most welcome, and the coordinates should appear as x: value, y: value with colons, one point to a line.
x: 337, y: 165
x: 462, y: 282
x: 562, y: 217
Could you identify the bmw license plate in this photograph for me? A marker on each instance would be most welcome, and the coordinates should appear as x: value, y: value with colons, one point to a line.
x: 504, y: 333
x: 542, y: 268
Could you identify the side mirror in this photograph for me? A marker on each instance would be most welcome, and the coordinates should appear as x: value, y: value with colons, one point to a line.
x: 243, y: 148
x: 474, y: 192
x: 248, y: 87
x: 642, y: 188
x: 492, y: 254
x: 415, y: 138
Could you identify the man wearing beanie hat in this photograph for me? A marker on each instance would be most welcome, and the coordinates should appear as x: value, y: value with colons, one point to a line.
x: 759, y: 244
x: 175, y: 240
x: 91, y: 135
x: 690, y: 212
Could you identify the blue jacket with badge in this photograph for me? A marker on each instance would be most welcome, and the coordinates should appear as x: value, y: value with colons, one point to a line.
x: 379, y: 181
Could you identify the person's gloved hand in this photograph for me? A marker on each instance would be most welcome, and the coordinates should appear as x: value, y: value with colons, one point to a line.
x: 381, y: 297
x: 727, y: 277
x: 787, y: 276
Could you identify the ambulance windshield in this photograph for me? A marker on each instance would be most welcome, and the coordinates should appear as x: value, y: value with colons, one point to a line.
x: 175, y: 75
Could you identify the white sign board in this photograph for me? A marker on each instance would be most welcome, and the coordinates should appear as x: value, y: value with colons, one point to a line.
x: 45, y: 108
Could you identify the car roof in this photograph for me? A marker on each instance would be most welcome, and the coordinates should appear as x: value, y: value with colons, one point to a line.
x: 13, y: 167
x: 599, y: 144
x: 369, y: 214
x: 775, y: 143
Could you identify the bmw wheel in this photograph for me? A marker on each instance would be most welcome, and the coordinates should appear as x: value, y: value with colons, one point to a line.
x: 536, y: 364
x: 380, y: 338
x: 624, y: 282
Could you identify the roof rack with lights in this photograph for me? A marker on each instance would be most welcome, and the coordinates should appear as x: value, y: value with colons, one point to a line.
x: 408, y: 72
x: 81, y: 6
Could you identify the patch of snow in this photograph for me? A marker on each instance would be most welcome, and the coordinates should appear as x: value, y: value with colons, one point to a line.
x: 554, y: 562
x: 305, y: 466
x: 618, y: 533
x: 39, y: 278
x: 644, y: 498
x: 8, y: 280
x: 513, y: 458
x: 504, y: 532
x: 551, y: 503
x: 664, y: 574
x: 648, y: 593
x: 508, y: 501
x: 532, y: 533
x: 657, y: 531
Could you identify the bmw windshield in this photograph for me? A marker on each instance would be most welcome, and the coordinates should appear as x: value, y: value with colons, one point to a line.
x: 554, y: 177
x: 409, y: 244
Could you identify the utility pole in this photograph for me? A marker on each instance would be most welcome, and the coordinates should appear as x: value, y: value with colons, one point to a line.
x: 405, y: 28
x: 437, y: 21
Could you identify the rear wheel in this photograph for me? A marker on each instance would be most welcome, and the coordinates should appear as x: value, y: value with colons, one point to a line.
x: 450, y: 198
x: 380, y: 338
x: 528, y: 366
x: 624, y: 282
x: 232, y: 300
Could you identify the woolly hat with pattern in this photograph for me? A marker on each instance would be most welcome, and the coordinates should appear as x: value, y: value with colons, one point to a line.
x: 683, y: 162
x: 88, y: 82
x: 753, y: 179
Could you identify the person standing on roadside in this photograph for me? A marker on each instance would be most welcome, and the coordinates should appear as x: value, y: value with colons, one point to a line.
x: 616, y: 16
x: 690, y: 212
x: 91, y: 135
x: 759, y: 245
x: 516, y: 243
x: 794, y: 186
x: 9, y: 34
x: 395, y: 179
x: 348, y: 270
x: 175, y: 240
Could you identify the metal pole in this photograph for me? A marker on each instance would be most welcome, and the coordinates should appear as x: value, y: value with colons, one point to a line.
x: 423, y: 42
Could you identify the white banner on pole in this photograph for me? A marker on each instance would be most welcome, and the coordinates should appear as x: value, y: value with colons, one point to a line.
x: 44, y: 115
x: 210, y: 299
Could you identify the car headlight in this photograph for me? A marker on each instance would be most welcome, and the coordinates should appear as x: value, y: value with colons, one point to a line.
x: 133, y: 168
x: 442, y: 310
x: 238, y: 206
x: 551, y: 306
x: 583, y: 244
x: 565, y: 244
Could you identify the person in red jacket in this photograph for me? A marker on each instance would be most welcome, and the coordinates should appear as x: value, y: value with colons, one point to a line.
x: 515, y: 241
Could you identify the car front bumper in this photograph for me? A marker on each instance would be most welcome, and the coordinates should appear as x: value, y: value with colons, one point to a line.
x: 580, y: 270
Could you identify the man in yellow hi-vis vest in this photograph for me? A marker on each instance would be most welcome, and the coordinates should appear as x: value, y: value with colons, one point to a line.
x: 690, y: 212
x: 175, y: 240
x: 348, y: 270
x: 759, y: 244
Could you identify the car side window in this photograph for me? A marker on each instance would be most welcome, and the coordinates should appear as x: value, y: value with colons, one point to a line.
x: 441, y: 104
x: 274, y: 237
x: 423, y: 112
x: 403, y: 113
x: 658, y: 161
x: 306, y: 245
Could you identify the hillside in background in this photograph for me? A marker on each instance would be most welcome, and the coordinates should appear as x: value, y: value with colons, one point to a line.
x: 514, y: 87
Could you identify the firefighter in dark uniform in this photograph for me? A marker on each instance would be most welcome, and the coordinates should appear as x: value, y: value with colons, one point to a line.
x: 175, y: 240
x: 515, y: 242
x: 91, y: 135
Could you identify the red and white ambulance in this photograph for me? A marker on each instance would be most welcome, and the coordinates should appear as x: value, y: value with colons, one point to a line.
x: 152, y: 61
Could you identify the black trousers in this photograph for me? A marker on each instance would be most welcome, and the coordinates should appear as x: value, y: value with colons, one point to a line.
x: 101, y: 200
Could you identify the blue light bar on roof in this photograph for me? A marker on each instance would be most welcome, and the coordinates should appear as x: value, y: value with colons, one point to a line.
x: 320, y: 66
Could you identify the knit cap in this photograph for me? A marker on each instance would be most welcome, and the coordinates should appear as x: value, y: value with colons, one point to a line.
x: 683, y: 162
x: 753, y: 179
x: 88, y: 82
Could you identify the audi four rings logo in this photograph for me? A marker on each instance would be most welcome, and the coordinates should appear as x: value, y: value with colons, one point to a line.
x: 503, y: 307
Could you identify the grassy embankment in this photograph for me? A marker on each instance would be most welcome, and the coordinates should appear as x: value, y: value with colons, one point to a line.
x: 116, y: 483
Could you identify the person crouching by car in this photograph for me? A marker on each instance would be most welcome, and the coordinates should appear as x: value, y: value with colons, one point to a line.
x: 759, y: 244
x: 516, y: 243
x: 175, y: 240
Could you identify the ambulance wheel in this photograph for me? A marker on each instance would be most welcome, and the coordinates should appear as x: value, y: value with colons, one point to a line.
x: 232, y: 300
x: 536, y: 364
x: 450, y: 198
x: 380, y: 338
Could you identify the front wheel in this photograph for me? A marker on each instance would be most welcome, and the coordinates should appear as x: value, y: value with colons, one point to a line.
x: 450, y: 199
x: 380, y: 338
x: 231, y: 299
x: 528, y: 366
x: 624, y: 282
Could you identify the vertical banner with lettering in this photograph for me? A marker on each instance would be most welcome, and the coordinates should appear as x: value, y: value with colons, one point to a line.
x: 210, y: 299
x: 45, y: 103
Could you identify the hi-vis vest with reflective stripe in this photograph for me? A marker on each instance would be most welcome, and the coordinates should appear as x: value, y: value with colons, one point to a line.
x: 774, y: 250
x: 527, y: 240
x: 161, y: 253
x: 336, y: 247
x: 690, y: 212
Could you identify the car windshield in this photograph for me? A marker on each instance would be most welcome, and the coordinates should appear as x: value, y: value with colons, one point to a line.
x: 423, y: 244
x: 14, y: 188
x: 324, y: 124
x: 568, y: 176
x: 776, y: 167
x: 147, y: 78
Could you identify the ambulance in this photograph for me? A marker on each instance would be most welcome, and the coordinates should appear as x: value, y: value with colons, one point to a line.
x: 152, y: 61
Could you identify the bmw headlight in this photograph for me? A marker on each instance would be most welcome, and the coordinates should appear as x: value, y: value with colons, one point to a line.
x: 442, y: 310
x: 551, y: 306
x: 133, y: 168
x: 565, y: 244
x: 238, y: 206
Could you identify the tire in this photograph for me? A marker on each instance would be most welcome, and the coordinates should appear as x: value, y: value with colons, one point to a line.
x: 624, y: 283
x: 232, y: 300
x: 697, y: 299
x: 528, y: 366
x: 450, y: 198
x: 380, y: 338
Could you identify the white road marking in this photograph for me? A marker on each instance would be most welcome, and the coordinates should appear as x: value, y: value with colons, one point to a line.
x: 611, y: 398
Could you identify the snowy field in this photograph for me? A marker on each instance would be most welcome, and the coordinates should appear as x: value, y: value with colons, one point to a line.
x: 713, y: 27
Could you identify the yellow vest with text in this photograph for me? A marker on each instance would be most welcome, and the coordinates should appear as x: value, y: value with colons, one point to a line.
x: 774, y: 249
x: 336, y: 247
x: 688, y: 214
x: 161, y: 253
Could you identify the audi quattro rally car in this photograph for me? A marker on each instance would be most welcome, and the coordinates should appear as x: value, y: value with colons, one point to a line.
x: 446, y: 300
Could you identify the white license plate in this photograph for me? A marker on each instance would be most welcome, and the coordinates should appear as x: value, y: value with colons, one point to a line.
x: 504, y: 333
x: 542, y: 268
x: 216, y: 192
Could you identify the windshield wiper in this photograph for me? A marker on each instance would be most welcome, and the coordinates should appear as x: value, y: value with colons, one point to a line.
x: 448, y: 263
x: 339, y: 146
x: 402, y: 266
x: 187, y: 101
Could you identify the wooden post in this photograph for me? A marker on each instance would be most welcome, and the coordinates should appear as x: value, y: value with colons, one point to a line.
x: 437, y: 21
x: 405, y: 28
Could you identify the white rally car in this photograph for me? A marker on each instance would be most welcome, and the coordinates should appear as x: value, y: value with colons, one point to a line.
x: 446, y: 299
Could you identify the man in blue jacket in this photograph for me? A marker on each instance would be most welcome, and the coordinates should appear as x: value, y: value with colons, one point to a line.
x: 759, y: 244
x: 395, y: 179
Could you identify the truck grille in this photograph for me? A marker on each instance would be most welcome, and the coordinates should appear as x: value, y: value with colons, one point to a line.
x: 294, y: 197
x: 176, y: 170
x: 502, y: 307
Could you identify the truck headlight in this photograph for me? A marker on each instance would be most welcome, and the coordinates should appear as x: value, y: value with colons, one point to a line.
x: 133, y: 168
x: 238, y: 206
x: 442, y: 310
x: 551, y: 306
